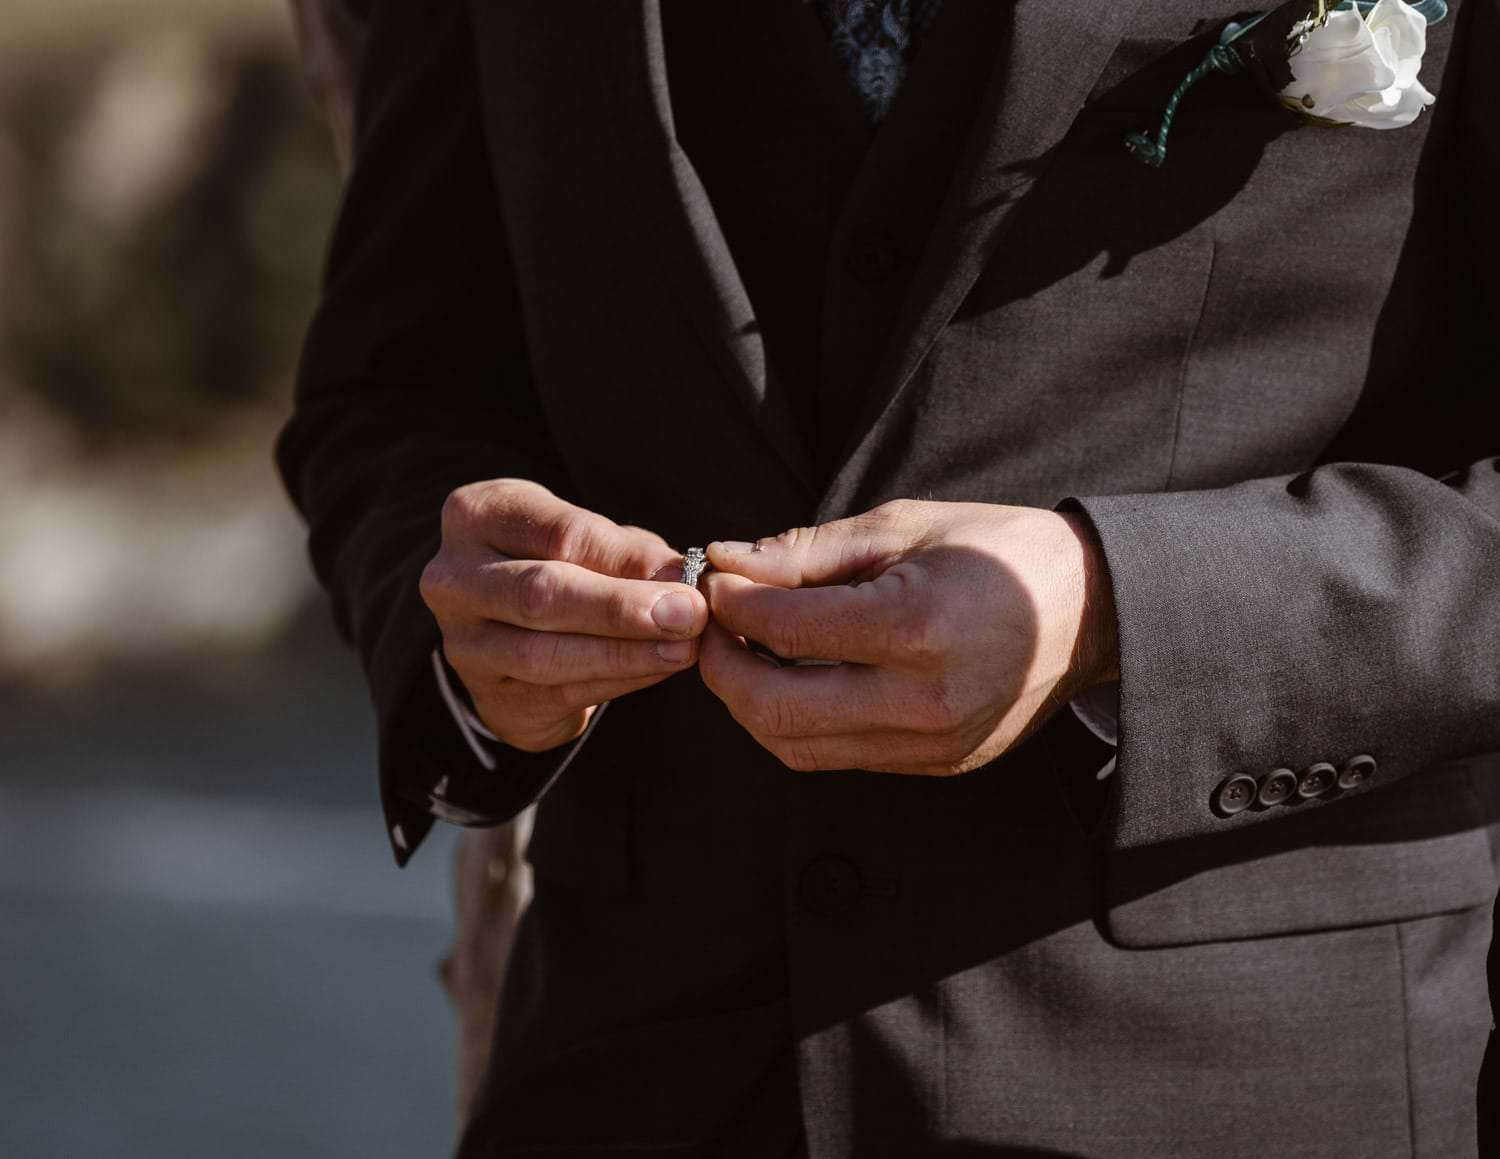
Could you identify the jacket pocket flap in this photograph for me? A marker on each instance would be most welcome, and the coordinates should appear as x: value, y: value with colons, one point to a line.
x: 1419, y: 847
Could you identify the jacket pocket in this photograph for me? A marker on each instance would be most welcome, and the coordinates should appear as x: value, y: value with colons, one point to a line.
x: 1425, y: 845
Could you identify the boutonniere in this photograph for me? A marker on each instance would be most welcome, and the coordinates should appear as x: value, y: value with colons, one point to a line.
x: 1352, y: 63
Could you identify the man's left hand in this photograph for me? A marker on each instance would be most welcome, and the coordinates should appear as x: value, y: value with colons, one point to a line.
x: 959, y: 628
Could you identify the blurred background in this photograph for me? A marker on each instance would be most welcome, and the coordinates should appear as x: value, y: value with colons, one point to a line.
x: 204, y: 943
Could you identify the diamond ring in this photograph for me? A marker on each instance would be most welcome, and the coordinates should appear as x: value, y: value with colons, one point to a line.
x: 694, y: 564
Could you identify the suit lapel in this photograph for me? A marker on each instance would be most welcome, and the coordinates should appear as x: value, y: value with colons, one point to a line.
x: 687, y: 237
x: 1044, y: 68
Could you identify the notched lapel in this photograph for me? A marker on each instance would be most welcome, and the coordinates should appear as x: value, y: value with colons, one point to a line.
x: 687, y: 238
x: 1045, y: 67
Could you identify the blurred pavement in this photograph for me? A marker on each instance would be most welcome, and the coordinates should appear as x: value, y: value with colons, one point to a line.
x: 205, y: 948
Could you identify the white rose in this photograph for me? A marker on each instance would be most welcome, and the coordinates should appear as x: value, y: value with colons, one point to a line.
x: 1362, y: 70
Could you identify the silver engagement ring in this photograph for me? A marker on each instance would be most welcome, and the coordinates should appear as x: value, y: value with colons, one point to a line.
x: 694, y: 564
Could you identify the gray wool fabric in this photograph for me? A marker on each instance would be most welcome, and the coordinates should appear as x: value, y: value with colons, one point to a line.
x: 573, y: 251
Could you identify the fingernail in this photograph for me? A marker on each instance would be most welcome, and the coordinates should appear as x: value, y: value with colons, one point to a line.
x: 673, y: 613
x: 674, y: 651
x: 734, y: 546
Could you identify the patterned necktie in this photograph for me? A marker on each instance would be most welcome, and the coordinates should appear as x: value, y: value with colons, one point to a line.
x: 875, y: 41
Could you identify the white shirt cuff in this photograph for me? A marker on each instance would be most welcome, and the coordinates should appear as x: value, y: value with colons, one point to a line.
x: 480, y: 739
x: 469, y: 724
x: 1099, y: 708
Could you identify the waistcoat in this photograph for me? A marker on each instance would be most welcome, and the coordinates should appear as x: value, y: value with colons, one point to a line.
x: 826, y: 216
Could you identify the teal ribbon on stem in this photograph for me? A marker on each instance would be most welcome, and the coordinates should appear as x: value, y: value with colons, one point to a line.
x: 1153, y: 150
x: 1257, y: 45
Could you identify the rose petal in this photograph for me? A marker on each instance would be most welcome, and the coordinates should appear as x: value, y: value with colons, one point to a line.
x: 1338, y: 63
x: 1405, y: 23
x: 1401, y: 33
x: 1377, y: 112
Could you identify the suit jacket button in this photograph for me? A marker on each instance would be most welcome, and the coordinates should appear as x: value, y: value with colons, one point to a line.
x: 1356, y: 771
x: 1279, y: 787
x: 1317, y: 779
x: 1235, y: 795
x: 829, y: 885
x: 871, y: 257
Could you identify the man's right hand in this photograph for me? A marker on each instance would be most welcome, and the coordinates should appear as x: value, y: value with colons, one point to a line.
x: 548, y: 610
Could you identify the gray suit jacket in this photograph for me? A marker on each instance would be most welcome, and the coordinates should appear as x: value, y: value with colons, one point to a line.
x: 1265, y: 372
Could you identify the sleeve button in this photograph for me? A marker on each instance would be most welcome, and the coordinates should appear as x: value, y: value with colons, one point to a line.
x: 1356, y: 771
x: 1279, y: 786
x: 1235, y: 795
x: 1316, y: 780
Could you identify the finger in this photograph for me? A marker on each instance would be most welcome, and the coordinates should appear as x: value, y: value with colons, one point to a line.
x: 501, y: 652
x: 537, y: 705
x: 535, y: 717
x: 804, y: 556
x: 888, y: 620
x: 782, y: 703
x: 552, y: 596
x: 550, y: 737
x: 523, y: 519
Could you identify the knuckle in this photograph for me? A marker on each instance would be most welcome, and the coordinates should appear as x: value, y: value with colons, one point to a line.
x: 922, y: 635
x: 617, y: 658
x: 788, y: 538
x: 569, y: 698
x: 535, y: 592
x: 528, y: 658
x: 514, y: 498
x: 792, y: 539
x: 455, y: 513
x: 543, y: 657
x: 566, y: 535
x: 436, y: 583
x: 893, y: 509
x: 799, y: 756
x: 458, y: 511
x: 775, y: 716
x: 787, y: 640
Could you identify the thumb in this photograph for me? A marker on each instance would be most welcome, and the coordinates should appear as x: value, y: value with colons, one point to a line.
x: 830, y: 553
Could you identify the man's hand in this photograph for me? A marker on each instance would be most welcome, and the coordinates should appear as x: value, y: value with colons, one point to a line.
x: 961, y: 627
x: 548, y: 610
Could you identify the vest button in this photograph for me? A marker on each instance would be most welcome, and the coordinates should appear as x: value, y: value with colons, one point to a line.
x: 829, y: 885
x: 871, y: 257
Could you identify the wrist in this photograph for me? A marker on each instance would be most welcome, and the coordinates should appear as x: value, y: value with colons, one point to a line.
x: 1096, y: 649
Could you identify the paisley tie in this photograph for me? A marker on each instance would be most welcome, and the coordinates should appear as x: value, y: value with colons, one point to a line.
x: 875, y: 41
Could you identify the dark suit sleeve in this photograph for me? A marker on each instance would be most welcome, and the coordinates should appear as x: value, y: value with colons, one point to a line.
x: 414, y: 381
x: 1351, y: 609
